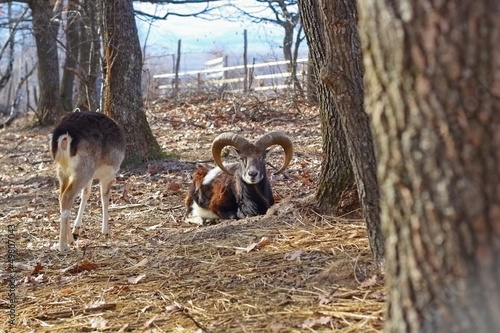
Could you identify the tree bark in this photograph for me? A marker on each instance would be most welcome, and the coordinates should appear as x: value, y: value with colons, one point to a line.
x: 336, y: 172
x: 312, y: 83
x: 88, y: 57
x: 122, y: 80
x: 433, y: 89
x: 49, y: 107
x: 7, y: 73
x: 71, y: 62
x: 343, y: 74
x: 339, y: 68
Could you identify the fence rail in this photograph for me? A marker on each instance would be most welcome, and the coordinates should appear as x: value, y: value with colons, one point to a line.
x: 260, y: 77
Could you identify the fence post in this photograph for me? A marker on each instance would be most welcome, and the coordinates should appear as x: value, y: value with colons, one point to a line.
x: 177, y: 66
x: 245, y: 61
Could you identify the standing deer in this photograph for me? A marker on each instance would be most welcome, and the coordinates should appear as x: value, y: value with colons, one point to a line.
x: 85, y: 146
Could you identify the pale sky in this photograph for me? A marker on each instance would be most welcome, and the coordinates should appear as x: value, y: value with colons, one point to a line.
x: 204, y: 36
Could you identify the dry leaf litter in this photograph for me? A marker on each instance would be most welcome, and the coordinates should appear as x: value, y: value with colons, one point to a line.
x: 292, y: 270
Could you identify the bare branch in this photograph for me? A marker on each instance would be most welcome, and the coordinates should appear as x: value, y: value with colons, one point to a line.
x: 175, y: 2
x: 154, y: 16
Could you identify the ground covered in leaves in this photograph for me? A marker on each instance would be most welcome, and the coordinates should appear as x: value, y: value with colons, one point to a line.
x: 292, y: 270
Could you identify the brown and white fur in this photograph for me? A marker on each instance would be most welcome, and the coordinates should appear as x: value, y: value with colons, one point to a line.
x: 85, y: 146
x: 238, y: 190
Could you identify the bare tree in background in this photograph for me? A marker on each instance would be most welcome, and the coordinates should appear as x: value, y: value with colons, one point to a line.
x: 71, y: 28
x: 45, y: 29
x: 81, y: 50
x: 88, y: 56
x: 8, y: 48
x: 284, y: 13
x: 15, y: 23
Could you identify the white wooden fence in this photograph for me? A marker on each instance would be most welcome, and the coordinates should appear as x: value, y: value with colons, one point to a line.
x: 216, y: 75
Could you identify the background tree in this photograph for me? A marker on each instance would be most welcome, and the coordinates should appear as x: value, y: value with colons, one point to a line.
x: 71, y: 29
x: 88, y: 56
x: 80, y: 50
x: 14, y: 23
x: 331, y: 29
x: 284, y: 13
x: 8, y: 51
x: 45, y: 29
x: 122, y: 68
x: 433, y: 88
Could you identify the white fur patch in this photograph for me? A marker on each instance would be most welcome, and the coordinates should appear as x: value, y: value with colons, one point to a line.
x: 211, y: 175
x: 195, y: 220
x: 202, y: 212
x: 214, y: 173
x: 198, y: 215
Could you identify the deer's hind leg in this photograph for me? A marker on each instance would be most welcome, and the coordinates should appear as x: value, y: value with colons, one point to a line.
x: 106, y: 184
x: 70, y: 186
x: 84, y: 197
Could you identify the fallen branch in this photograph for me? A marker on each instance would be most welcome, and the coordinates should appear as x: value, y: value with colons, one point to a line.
x: 126, y: 206
x: 71, y: 313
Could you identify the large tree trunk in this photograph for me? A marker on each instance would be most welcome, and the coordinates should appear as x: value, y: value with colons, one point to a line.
x: 433, y: 88
x: 122, y: 80
x: 49, y: 107
x: 336, y: 172
x: 340, y: 70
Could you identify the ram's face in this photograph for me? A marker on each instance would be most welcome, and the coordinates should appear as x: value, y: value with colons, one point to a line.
x: 253, y: 165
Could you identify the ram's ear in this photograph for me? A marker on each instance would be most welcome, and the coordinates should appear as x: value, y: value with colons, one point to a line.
x: 231, y: 151
x: 270, y: 149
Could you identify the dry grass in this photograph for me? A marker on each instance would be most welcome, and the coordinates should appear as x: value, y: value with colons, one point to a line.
x: 288, y: 271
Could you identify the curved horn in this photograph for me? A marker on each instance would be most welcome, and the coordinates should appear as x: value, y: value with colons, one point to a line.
x: 277, y: 138
x: 226, y: 139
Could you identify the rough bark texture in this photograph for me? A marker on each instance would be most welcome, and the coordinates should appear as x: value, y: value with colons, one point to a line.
x: 88, y: 57
x: 433, y: 89
x: 122, y: 80
x: 336, y: 172
x: 343, y: 74
x: 341, y: 71
x: 49, y: 107
x: 71, y: 62
x: 312, y: 82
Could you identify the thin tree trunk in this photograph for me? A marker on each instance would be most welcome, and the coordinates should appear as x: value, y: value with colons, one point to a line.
x: 177, y: 68
x: 311, y: 82
x: 245, y: 61
x: 7, y: 74
x: 88, y: 57
x: 71, y: 62
x: 297, y: 87
x: 433, y: 87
